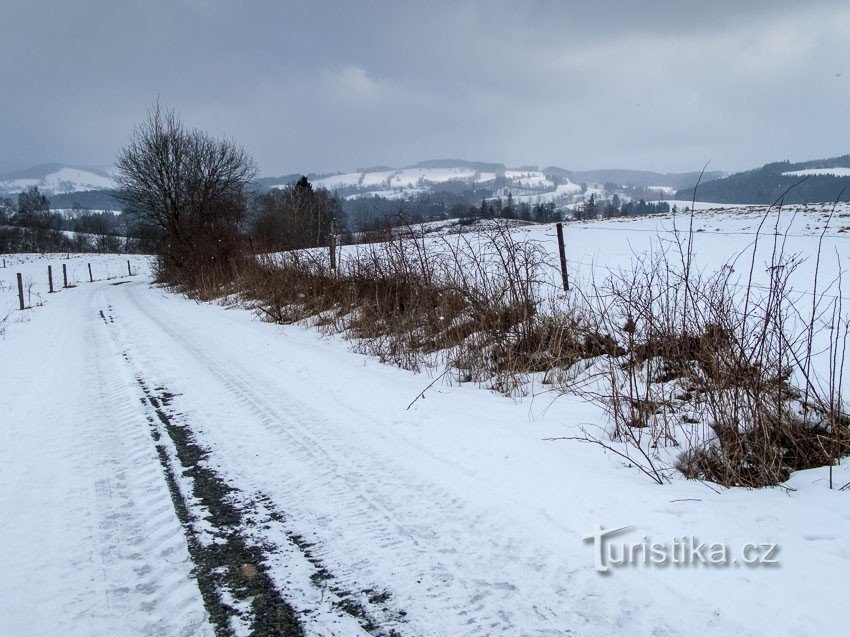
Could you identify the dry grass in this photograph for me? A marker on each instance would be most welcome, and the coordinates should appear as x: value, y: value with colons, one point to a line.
x: 684, y: 362
x: 410, y: 303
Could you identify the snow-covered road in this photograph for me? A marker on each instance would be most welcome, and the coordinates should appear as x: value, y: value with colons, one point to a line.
x: 90, y: 541
x: 171, y: 468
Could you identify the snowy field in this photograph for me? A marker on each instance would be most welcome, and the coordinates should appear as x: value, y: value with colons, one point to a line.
x: 722, y: 234
x: 307, y: 467
x: 528, y: 179
x: 34, y: 275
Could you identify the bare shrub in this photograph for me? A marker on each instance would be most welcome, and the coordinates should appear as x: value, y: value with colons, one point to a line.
x: 412, y: 300
x: 717, y: 369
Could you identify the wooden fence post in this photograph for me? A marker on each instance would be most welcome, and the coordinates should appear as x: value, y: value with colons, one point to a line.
x: 64, y: 275
x: 91, y: 278
x: 50, y: 277
x: 21, y: 291
x: 564, y: 279
x: 332, y: 244
x: 129, y: 271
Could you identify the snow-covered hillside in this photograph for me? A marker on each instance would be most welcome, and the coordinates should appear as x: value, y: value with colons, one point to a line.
x: 56, y: 179
x: 397, y: 179
x: 529, y: 186
x: 525, y: 185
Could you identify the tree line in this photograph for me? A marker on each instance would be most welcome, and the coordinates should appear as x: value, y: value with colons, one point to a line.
x: 617, y: 207
x: 767, y: 184
x: 29, y: 225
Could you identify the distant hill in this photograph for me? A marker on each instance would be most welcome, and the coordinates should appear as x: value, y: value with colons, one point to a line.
x: 808, y: 181
x: 632, y: 178
x: 264, y: 183
x: 56, y: 179
x: 479, y: 166
x: 33, y: 172
x: 643, y: 178
x: 471, y: 181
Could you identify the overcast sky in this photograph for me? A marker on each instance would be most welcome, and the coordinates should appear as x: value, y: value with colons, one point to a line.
x: 322, y: 86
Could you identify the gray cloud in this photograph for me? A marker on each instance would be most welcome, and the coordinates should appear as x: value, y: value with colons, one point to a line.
x: 324, y: 86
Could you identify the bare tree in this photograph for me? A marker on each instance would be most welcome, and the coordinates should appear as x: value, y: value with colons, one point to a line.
x: 189, y: 187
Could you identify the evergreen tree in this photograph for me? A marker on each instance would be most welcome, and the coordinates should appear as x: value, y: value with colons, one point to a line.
x: 590, y: 209
x: 31, y: 201
x: 484, y: 209
x: 508, y: 210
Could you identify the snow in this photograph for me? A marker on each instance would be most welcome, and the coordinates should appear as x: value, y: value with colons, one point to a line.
x: 13, y: 186
x: 337, y: 181
x: 380, y: 178
x: 414, y: 176
x: 528, y: 179
x: 73, y: 180
x: 406, y: 179
x: 597, y: 190
x: 525, y: 186
x: 529, y: 186
x: 64, y: 180
x: 458, y: 507
x: 664, y: 190
x: 560, y: 193
x: 681, y: 204
x: 402, y: 193
x: 837, y: 172
x: 91, y: 544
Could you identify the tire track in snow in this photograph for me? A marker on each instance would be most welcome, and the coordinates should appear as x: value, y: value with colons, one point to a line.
x: 373, y: 495
x: 230, y: 560
x: 238, y: 593
x: 141, y: 540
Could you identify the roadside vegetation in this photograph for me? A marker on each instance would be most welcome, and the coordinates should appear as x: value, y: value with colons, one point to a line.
x: 708, y: 373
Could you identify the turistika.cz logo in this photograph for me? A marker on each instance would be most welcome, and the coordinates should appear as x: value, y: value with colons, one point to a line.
x: 681, y: 551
